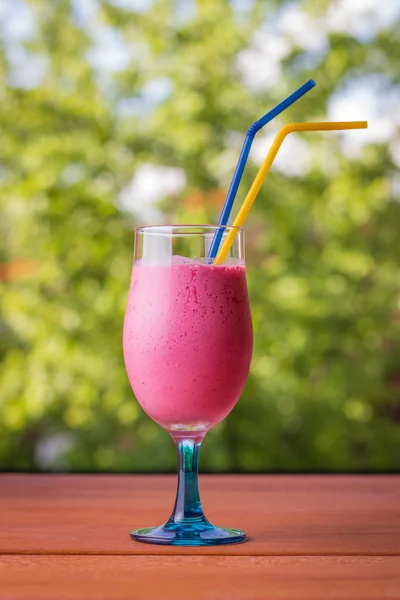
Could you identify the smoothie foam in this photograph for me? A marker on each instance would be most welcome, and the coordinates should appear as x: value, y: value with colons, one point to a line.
x: 188, y: 340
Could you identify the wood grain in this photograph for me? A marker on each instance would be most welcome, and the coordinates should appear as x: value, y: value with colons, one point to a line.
x: 198, y: 577
x: 283, y: 515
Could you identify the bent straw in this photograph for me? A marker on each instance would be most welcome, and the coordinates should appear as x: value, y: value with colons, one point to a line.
x: 237, y: 176
x: 265, y: 167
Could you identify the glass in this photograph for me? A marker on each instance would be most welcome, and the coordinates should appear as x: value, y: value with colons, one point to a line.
x: 188, y: 342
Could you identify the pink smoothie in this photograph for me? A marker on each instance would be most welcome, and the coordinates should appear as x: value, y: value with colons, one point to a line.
x: 188, y: 341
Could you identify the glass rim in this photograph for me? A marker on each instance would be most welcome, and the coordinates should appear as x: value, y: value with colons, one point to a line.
x: 185, y: 229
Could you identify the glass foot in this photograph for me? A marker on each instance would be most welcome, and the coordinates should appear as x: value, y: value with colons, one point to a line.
x: 188, y: 534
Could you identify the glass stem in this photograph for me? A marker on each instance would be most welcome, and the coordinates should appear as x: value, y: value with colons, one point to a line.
x: 187, y: 504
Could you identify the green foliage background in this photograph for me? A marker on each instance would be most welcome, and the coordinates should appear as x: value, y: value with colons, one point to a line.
x: 323, y: 247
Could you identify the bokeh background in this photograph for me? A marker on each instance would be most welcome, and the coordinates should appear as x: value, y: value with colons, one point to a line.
x: 115, y: 113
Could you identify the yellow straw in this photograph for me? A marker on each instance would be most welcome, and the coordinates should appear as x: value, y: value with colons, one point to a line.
x: 265, y: 167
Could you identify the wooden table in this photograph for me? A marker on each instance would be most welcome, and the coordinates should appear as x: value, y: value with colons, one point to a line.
x: 67, y: 536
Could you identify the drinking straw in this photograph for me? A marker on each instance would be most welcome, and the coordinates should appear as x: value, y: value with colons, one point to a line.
x: 265, y: 167
x: 237, y: 176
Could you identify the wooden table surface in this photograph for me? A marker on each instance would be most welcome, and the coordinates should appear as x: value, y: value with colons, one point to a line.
x: 67, y: 536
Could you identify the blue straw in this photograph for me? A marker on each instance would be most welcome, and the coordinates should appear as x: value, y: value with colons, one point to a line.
x: 230, y: 198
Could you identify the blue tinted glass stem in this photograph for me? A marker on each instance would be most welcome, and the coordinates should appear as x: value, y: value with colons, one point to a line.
x: 188, y: 526
x: 187, y: 503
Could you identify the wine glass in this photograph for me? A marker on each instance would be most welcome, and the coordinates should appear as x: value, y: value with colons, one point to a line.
x: 187, y: 342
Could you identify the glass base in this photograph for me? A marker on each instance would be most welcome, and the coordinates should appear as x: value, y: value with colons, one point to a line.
x: 188, y: 534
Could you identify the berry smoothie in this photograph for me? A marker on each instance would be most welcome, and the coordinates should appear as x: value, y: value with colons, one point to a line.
x: 188, y: 341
